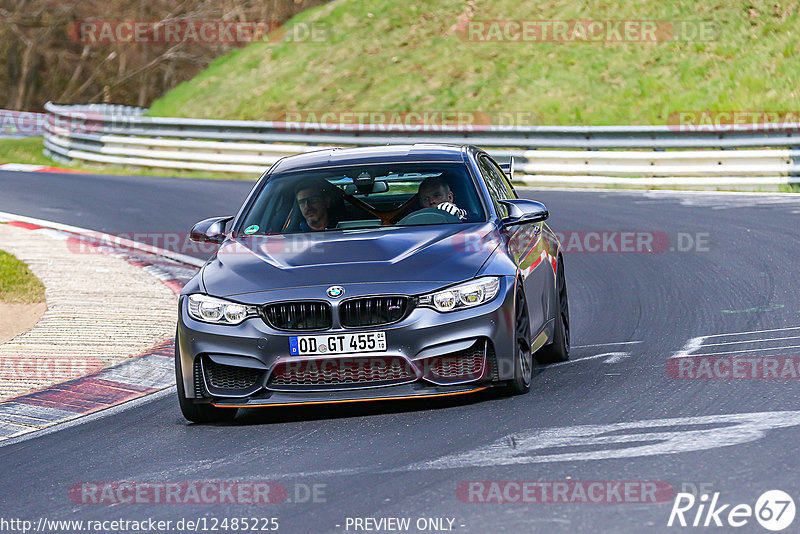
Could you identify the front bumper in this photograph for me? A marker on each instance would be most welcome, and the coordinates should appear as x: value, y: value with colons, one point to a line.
x: 245, y: 357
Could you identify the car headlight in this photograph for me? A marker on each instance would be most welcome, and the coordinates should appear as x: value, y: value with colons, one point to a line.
x: 218, y: 311
x: 466, y: 295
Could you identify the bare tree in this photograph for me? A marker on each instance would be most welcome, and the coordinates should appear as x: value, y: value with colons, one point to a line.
x: 44, y: 61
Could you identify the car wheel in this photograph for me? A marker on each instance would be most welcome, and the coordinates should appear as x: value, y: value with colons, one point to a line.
x: 558, y: 350
x: 523, y: 361
x: 198, y: 413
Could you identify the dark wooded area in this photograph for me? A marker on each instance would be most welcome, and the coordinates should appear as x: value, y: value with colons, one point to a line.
x: 41, y: 60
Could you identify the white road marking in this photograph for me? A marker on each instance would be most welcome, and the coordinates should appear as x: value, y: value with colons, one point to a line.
x: 55, y: 234
x: 613, y: 357
x: 616, y: 357
x: 327, y: 472
x: 691, y: 347
x: 22, y: 167
x: 740, y: 351
x: 607, y: 344
x: 750, y: 341
x: 754, y: 332
x: 645, y: 438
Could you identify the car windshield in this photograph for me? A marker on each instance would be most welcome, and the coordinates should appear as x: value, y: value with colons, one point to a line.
x: 364, y: 196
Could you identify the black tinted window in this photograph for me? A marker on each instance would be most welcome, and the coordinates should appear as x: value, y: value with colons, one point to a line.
x: 397, y: 194
x: 496, y: 183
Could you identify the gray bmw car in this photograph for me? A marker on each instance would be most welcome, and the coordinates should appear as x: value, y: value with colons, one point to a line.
x: 391, y: 272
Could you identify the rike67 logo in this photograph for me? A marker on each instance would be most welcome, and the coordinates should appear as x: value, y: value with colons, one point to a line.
x: 774, y: 510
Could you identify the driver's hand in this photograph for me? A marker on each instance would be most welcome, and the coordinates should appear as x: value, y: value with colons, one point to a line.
x: 452, y: 209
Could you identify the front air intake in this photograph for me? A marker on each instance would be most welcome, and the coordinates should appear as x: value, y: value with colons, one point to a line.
x: 230, y: 380
x: 340, y: 372
x: 466, y: 365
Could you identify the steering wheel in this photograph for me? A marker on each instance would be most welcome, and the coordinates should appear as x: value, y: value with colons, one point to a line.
x: 428, y: 216
x: 387, y: 217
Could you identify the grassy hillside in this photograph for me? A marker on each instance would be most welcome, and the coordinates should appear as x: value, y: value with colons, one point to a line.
x: 410, y: 56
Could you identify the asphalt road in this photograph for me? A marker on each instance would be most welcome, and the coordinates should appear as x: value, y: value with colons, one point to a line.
x: 631, y: 312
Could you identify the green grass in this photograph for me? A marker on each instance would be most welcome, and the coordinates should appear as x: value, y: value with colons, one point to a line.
x: 406, y: 56
x: 29, y: 150
x: 24, y: 150
x: 17, y: 283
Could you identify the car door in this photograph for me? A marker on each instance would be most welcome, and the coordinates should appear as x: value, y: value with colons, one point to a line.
x: 525, y: 245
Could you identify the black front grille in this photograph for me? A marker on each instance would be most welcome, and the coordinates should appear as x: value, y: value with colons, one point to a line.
x: 228, y: 377
x: 372, y: 311
x: 301, y: 315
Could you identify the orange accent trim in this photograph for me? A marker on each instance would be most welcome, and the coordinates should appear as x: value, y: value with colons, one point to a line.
x: 346, y: 400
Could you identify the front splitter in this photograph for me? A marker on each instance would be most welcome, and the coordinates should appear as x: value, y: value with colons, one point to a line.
x: 338, y: 397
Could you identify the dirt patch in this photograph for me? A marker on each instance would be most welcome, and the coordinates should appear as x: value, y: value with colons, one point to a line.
x: 18, y: 318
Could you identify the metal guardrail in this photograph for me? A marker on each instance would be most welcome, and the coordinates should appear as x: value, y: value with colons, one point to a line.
x: 765, y: 154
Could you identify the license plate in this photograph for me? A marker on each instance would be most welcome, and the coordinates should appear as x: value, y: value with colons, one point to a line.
x: 337, y: 344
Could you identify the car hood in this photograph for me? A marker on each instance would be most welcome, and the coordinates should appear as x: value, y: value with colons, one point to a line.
x: 434, y: 254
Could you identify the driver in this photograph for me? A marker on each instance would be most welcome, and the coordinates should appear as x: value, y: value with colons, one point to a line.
x: 314, y: 200
x: 434, y: 192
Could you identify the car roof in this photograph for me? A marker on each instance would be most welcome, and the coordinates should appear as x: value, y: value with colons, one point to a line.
x: 335, y: 157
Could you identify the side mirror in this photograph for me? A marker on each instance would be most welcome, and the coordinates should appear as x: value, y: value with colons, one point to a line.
x: 508, y: 168
x: 522, y: 211
x: 210, y: 230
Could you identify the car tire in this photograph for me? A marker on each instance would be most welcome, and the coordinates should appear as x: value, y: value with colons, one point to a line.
x: 523, y: 360
x: 558, y: 350
x: 198, y: 413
